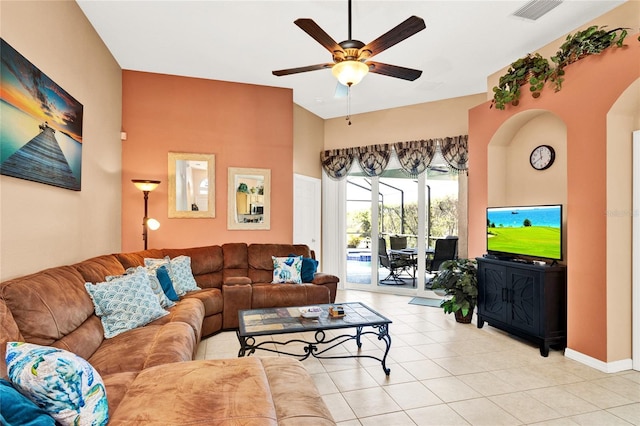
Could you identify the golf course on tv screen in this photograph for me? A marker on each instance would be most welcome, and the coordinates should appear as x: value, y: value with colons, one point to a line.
x: 529, y: 231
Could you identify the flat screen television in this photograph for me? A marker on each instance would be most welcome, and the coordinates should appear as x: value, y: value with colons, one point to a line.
x: 532, y: 231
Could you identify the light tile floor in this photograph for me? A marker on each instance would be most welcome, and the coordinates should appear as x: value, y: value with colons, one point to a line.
x: 444, y: 373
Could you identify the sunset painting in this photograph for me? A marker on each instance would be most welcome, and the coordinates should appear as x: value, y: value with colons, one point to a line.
x: 41, y: 131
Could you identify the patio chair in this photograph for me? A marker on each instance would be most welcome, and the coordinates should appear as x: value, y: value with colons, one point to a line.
x: 397, y: 242
x: 446, y: 249
x: 395, y: 265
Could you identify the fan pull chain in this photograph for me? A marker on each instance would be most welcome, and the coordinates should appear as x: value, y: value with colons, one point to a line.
x: 348, y: 104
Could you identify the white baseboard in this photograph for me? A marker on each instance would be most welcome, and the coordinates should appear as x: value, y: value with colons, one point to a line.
x: 606, y: 367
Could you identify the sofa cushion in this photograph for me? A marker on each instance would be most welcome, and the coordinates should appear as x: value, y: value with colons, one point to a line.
x: 261, y: 264
x: 60, y: 382
x: 235, y: 260
x: 15, y: 408
x: 271, y: 296
x: 189, y: 311
x: 143, y: 347
x: 211, y: 298
x: 137, y: 258
x: 96, y: 269
x: 287, y: 269
x: 125, y: 302
x: 49, y: 304
x: 206, y: 264
x: 243, y: 390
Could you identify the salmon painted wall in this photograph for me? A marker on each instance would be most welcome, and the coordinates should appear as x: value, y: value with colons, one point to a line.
x: 243, y: 125
x: 591, y: 87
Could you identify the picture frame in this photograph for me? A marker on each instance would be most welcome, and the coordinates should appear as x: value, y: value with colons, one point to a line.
x: 192, y: 185
x: 248, y: 198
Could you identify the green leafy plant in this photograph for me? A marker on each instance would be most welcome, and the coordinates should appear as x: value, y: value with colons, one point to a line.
x: 590, y: 41
x: 536, y: 70
x: 533, y: 69
x: 459, y: 279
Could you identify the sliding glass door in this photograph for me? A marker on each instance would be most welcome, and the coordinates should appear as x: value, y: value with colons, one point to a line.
x: 391, y: 225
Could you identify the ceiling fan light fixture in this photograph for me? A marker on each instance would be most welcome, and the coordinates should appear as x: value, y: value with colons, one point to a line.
x: 350, y: 73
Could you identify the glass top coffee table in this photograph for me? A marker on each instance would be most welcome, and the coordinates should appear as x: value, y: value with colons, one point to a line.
x: 276, y: 321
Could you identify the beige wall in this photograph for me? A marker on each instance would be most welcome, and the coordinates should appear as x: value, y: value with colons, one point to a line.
x: 41, y: 225
x: 308, y: 142
x: 421, y: 121
x: 512, y: 180
x: 623, y: 118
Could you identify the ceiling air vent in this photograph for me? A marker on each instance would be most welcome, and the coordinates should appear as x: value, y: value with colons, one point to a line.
x: 536, y: 8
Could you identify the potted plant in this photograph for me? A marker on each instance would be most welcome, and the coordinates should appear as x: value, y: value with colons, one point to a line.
x: 459, y: 280
x: 533, y: 69
x: 590, y: 41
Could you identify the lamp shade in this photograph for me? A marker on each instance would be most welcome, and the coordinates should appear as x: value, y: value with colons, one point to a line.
x: 145, y: 184
x: 350, y: 73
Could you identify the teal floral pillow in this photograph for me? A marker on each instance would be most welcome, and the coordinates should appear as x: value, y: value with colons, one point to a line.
x: 66, y: 386
x: 179, y: 270
x: 287, y: 269
x: 125, y: 302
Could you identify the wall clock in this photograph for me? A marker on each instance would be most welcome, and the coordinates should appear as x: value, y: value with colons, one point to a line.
x: 542, y: 157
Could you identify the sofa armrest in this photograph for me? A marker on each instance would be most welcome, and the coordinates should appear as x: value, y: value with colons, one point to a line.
x: 237, y: 280
x: 322, y: 278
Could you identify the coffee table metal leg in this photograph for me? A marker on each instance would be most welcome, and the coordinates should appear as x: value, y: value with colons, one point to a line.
x: 383, y: 334
x: 358, y: 334
x: 246, y: 344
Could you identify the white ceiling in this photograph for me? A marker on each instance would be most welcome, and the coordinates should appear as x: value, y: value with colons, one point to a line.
x: 243, y: 41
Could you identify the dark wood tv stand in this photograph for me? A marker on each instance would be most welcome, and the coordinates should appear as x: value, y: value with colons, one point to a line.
x: 526, y: 300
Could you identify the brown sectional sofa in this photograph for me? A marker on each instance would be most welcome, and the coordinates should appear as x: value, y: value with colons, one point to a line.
x: 147, y: 378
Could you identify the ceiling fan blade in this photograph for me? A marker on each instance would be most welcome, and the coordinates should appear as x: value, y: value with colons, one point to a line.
x: 280, y: 73
x: 395, y: 35
x: 393, y: 70
x: 310, y: 27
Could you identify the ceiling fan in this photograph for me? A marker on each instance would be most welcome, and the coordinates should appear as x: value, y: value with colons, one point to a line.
x: 351, y: 57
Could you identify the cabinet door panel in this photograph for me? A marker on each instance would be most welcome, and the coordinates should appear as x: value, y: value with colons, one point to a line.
x: 524, y: 296
x: 492, y: 293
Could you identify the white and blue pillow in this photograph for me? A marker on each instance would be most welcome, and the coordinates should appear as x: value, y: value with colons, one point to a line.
x: 154, y: 283
x: 61, y: 383
x: 179, y: 269
x: 125, y: 303
x: 287, y: 269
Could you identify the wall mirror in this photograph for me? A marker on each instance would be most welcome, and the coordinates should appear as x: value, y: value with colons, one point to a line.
x: 192, y: 185
x: 249, y: 198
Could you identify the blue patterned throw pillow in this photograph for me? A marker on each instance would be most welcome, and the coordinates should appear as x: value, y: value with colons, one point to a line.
x: 125, y: 303
x: 64, y: 385
x: 182, y: 275
x: 154, y: 283
x: 179, y: 269
x: 287, y: 269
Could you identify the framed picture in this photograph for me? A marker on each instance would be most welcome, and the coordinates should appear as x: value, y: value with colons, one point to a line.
x: 192, y: 185
x: 41, y: 132
x: 249, y: 198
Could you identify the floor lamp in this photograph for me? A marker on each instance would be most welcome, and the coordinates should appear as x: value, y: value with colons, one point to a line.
x: 146, y: 186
